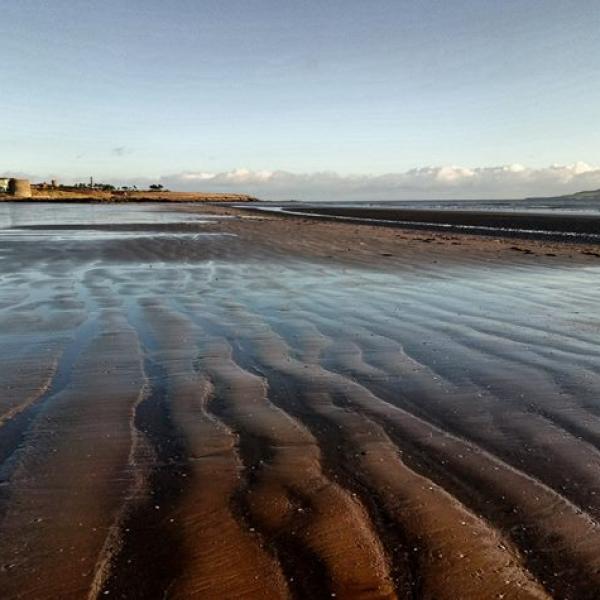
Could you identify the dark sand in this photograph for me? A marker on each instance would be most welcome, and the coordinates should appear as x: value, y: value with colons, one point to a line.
x: 579, y: 228
x: 265, y: 407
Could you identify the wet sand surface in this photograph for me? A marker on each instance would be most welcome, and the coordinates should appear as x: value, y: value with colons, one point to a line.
x: 574, y: 227
x: 208, y: 403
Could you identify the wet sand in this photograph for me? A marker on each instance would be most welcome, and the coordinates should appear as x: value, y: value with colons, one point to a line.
x: 223, y: 404
x: 573, y: 227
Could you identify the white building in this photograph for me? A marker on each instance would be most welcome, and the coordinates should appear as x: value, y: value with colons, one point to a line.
x: 4, y: 184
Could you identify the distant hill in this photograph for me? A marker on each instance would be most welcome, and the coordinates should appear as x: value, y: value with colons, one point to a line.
x: 588, y: 195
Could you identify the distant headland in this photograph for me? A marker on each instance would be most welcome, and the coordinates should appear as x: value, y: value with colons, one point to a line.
x: 19, y: 190
x: 591, y: 195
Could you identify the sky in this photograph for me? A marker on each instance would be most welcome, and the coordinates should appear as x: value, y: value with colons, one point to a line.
x: 327, y: 99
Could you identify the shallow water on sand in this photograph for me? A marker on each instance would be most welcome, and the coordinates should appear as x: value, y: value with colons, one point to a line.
x: 188, y: 409
x: 18, y: 214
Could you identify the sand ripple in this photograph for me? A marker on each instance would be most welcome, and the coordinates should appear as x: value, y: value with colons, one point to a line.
x: 296, y: 410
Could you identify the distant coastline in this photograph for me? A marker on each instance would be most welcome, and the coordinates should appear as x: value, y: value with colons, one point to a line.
x: 118, y: 196
x: 592, y: 195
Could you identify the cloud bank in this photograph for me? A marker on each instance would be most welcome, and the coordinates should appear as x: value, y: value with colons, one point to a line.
x: 506, y: 181
x: 442, y: 182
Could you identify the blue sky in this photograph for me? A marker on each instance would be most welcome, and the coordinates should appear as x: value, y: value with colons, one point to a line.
x: 186, y: 90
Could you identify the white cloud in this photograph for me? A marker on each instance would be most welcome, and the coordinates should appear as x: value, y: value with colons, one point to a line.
x: 504, y: 181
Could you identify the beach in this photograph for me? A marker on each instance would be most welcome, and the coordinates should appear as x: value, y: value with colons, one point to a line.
x: 210, y: 402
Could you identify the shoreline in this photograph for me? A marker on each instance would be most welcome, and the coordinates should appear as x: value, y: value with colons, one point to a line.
x: 134, y: 197
x: 354, y: 235
x: 568, y: 227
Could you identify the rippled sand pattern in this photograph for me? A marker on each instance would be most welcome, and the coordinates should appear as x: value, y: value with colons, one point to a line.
x: 262, y: 408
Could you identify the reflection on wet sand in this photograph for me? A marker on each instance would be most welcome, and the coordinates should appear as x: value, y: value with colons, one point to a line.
x: 204, y: 407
